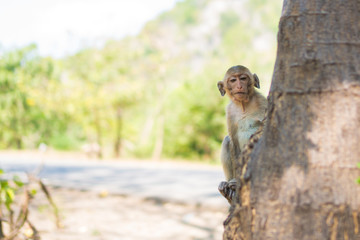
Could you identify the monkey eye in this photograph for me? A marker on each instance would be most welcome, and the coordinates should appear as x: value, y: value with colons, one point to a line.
x: 232, y: 80
x: 243, y: 78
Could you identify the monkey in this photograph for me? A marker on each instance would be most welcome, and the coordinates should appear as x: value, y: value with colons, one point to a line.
x: 244, y: 115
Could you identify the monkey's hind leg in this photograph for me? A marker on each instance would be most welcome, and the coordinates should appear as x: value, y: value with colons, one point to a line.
x: 225, y: 157
x: 227, y: 188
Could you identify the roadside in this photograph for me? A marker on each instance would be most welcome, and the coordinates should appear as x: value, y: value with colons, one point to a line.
x: 101, y: 214
x: 166, y: 180
x: 98, y: 216
x: 53, y: 155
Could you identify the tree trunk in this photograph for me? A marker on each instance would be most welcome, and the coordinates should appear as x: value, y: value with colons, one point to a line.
x: 118, y: 128
x: 159, y: 140
x: 98, y: 130
x: 303, y: 169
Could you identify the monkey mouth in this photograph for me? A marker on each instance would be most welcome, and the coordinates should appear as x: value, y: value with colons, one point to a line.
x: 241, y: 93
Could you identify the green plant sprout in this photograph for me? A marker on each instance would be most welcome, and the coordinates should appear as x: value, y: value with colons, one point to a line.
x: 15, y: 197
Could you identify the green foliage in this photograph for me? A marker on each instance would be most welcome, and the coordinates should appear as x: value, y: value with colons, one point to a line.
x: 64, y: 142
x: 195, y: 128
x: 8, y: 189
x: 16, y: 104
x: 185, y: 13
x: 15, y: 197
x: 266, y: 12
x: 228, y: 20
x: 150, y: 95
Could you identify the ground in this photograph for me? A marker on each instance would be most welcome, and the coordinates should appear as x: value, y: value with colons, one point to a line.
x: 95, y: 215
x: 102, y: 216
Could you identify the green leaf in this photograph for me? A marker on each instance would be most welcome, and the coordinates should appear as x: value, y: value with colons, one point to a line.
x: 2, y: 196
x: 33, y: 192
x: 358, y: 180
x: 9, y: 198
x: 358, y: 165
x: 8, y: 206
x: 18, y: 181
x: 10, y: 195
x: 4, y: 184
x: 1, y: 171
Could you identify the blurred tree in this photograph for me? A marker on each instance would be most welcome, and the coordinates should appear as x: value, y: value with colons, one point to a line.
x: 30, y: 95
x: 105, y: 87
x: 20, y: 115
x: 149, y: 95
x: 195, y: 126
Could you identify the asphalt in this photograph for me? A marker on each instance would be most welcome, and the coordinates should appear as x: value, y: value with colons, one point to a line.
x: 161, y: 181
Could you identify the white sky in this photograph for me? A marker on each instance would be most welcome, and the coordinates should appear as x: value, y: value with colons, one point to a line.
x: 61, y: 27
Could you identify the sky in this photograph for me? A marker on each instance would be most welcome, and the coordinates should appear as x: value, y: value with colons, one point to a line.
x: 62, y: 27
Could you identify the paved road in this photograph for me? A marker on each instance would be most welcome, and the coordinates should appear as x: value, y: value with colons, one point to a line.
x: 163, y: 181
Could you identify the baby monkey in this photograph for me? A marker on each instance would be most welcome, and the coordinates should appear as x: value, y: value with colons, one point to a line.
x: 244, y: 115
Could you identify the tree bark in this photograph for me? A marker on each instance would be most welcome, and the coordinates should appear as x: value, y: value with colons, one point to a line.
x: 98, y: 130
x: 118, y: 129
x: 159, y: 142
x: 303, y: 169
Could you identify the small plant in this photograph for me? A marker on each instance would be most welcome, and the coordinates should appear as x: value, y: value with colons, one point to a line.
x: 15, y: 197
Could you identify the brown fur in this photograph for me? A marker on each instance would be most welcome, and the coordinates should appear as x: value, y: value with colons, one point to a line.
x: 244, y: 114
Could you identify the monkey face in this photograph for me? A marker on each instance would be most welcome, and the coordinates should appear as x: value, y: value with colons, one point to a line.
x: 239, y: 84
x: 239, y: 87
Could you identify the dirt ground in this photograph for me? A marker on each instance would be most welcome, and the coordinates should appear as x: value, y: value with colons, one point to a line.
x: 101, y: 216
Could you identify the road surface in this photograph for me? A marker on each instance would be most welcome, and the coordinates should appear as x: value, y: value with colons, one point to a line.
x: 163, y: 181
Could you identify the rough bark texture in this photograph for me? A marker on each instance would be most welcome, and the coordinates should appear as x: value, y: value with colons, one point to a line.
x: 303, y: 169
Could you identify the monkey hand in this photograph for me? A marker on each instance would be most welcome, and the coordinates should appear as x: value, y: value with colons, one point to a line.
x: 228, y: 189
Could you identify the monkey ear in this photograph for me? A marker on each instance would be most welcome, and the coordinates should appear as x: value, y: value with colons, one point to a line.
x: 220, y: 86
x: 257, y: 81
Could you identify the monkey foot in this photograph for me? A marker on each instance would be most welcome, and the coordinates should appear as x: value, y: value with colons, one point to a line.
x: 228, y: 189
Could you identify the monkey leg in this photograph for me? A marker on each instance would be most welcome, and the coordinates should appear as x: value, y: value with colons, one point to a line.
x: 225, y: 157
